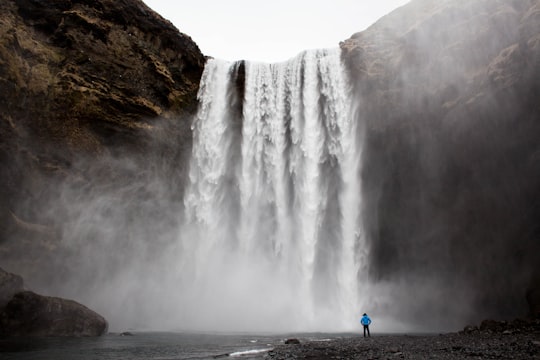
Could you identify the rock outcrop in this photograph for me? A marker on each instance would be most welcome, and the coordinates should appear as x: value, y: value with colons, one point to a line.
x: 449, y: 94
x: 83, y: 83
x: 516, y: 326
x: 30, y: 314
x: 85, y: 77
x: 25, y: 313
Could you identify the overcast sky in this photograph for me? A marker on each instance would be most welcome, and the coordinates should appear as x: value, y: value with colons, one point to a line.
x: 270, y: 30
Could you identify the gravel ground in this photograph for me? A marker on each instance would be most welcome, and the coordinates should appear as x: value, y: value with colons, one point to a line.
x: 464, y: 345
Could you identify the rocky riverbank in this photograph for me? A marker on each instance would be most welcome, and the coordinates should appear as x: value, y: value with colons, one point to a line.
x: 492, y: 340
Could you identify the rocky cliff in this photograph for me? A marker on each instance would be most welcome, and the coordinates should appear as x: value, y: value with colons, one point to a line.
x: 82, y: 83
x: 449, y: 92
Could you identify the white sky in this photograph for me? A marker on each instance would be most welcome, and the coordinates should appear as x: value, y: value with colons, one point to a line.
x: 270, y: 30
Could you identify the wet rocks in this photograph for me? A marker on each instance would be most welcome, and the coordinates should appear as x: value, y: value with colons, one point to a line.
x: 470, y: 329
x: 292, y: 341
x: 30, y: 314
x: 516, y: 326
x: 445, y: 346
x: 492, y: 325
x: 25, y: 313
x: 492, y: 339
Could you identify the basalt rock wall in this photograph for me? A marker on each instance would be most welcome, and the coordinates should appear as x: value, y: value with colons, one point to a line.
x: 449, y: 94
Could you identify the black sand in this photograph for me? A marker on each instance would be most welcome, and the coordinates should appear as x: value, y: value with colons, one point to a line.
x: 470, y: 345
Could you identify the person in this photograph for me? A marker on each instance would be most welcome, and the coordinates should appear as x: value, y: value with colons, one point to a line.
x: 365, y: 321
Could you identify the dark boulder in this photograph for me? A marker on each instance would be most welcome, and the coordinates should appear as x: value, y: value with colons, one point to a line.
x: 493, y: 325
x: 292, y: 341
x: 516, y: 326
x: 30, y: 314
x: 469, y: 329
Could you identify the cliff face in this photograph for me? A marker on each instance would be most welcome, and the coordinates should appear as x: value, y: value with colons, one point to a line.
x: 83, y: 82
x: 449, y: 92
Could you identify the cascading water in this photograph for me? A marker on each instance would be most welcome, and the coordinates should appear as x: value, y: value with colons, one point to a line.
x: 272, y: 232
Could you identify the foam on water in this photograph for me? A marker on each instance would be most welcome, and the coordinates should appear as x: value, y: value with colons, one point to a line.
x: 249, y: 352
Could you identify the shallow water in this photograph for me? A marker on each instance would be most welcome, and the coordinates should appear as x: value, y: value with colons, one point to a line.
x: 151, y: 345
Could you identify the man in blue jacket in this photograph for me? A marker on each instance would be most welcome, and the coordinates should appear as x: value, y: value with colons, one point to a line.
x: 365, y: 321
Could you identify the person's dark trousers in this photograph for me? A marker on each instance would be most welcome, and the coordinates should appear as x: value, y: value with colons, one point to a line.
x: 366, y: 327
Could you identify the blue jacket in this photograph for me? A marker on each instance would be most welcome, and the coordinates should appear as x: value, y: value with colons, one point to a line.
x: 365, y: 320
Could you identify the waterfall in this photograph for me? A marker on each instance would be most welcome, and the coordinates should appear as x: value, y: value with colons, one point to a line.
x: 271, y: 236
